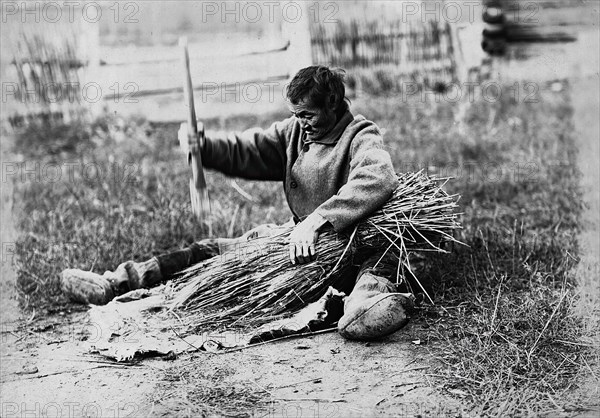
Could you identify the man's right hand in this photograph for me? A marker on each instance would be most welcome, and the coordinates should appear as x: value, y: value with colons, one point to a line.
x: 186, y: 139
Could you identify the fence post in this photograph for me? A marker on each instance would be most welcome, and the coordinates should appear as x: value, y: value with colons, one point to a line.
x: 296, y: 27
x: 460, y: 69
x: 90, y: 46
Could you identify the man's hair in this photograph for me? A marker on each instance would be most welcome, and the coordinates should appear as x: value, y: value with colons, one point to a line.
x: 316, y: 84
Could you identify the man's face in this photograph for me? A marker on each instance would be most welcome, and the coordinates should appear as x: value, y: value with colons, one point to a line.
x: 315, y: 121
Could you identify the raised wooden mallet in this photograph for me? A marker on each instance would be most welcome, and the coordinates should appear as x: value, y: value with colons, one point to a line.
x: 198, y: 189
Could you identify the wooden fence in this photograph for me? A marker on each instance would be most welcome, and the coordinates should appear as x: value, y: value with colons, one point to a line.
x: 378, y: 48
x: 409, y: 50
x: 43, y: 69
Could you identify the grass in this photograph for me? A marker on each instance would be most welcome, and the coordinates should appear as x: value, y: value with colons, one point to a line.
x: 502, y: 332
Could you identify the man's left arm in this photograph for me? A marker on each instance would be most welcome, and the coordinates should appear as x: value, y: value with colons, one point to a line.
x: 371, y: 182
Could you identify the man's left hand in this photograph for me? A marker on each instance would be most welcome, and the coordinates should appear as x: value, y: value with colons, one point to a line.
x: 304, y: 237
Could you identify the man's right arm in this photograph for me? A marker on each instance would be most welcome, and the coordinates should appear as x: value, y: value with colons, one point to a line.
x: 257, y: 154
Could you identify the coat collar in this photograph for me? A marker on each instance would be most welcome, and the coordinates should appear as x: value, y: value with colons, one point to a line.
x: 335, y: 134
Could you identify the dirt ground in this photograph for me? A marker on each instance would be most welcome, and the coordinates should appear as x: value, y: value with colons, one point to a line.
x: 45, y: 370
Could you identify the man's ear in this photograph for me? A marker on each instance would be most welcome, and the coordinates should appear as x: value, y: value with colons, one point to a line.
x: 333, y: 102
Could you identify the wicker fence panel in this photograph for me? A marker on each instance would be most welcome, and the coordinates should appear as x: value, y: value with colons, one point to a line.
x: 412, y: 51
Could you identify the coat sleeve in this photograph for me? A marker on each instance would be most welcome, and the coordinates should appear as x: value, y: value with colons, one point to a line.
x: 255, y: 154
x: 371, y: 182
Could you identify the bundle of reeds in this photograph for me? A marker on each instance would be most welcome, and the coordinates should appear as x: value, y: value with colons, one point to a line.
x: 257, y: 283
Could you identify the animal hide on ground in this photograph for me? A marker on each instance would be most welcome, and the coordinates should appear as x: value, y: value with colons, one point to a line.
x: 140, y: 324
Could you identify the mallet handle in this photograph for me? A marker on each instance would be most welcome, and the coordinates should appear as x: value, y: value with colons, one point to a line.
x: 200, y: 202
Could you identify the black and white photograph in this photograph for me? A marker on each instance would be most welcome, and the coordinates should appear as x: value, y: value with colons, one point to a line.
x: 300, y: 208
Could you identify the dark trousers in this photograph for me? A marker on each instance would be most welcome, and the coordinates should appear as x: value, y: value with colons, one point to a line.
x: 176, y: 261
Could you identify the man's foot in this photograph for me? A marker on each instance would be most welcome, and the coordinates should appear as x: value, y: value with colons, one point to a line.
x: 86, y: 287
x: 374, y: 309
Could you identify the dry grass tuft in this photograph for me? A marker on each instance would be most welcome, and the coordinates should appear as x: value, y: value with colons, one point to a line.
x: 189, y: 392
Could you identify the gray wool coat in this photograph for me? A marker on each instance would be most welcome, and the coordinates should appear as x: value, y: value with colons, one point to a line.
x: 344, y: 176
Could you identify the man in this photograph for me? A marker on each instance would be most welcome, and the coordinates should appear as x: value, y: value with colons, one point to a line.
x: 335, y: 172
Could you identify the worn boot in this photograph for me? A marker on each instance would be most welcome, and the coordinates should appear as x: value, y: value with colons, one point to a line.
x: 374, y: 309
x: 88, y: 287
